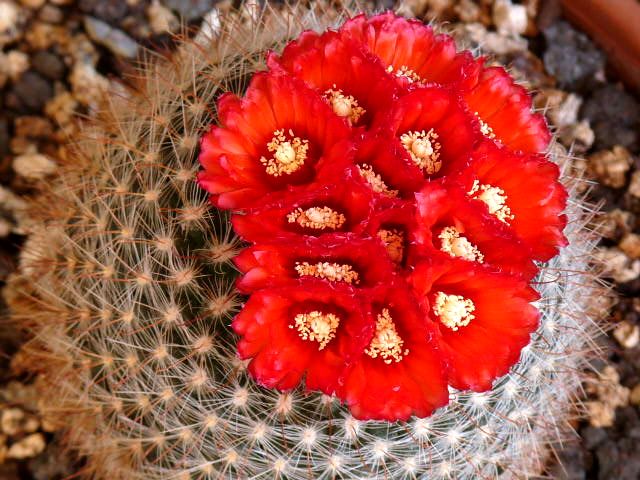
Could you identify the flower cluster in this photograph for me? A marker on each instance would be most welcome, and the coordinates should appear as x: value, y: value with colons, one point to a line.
x: 396, y: 199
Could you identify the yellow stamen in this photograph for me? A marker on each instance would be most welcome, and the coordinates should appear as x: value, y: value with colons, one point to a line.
x: 405, y: 72
x: 423, y: 149
x: 494, y: 198
x: 454, y: 310
x: 394, y: 241
x: 386, y: 342
x: 289, y: 153
x: 485, y: 129
x: 334, y: 272
x: 344, y: 105
x: 375, y: 181
x: 316, y: 326
x: 458, y: 246
x: 317, y: 218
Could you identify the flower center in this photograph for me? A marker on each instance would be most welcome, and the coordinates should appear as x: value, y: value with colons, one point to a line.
x: 386, y: 342
x: 344, y: 105
x: 454, y: 310
x: 317, y: 218
x: 405, y: 72
x: 394, y: 242
x: 458, y: 246
x: 375, y: 181
x: 334, y: 272
x: 316, y: 326
x: 289, y: 153
x: 485, y: 129
x: 423, y: 149
x: 495, y: 200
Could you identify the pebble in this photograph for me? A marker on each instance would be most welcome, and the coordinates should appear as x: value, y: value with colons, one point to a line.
x: 49, y: 65
x: 12, y: 18
x: 51, y: 14
x: 630, y: 245
x: 615, y: 117
x: 28, y: 447
x: 617, y: 265
x: 634, y: 397
x: 615, y: 223
x: 190, y: 9
x: 33, y: 4
x: 571, y: 57
x: 609, y: 396
x: 115, y: 40
x: 161, y: 19
x: 610, y: 167
x: 634, y: 184
x: 508, y: 18
x: 4, y: 137
x: 87, y: 84
x: 476, y: 35
x: 13, y: 64
x: 468, y: 11
x: 34, y: 166
x: 627, y: 334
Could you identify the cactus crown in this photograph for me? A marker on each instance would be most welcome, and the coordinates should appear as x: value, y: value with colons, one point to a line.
x: 128, y: 286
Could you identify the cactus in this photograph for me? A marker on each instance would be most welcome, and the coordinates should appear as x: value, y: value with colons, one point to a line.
x: 127, y: 285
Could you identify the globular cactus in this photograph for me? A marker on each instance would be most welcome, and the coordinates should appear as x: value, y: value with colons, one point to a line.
x: 127, y: 284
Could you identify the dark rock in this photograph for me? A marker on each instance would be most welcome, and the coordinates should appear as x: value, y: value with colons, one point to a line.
x: 614, y: 116
x: 571, y: 57
x: 110, y: 10
x: 571, y: 466
x: 31, y: 92
x: 4, y: 137
x: 592, y: 436
x: 190, y: 9
x: 49, y: 65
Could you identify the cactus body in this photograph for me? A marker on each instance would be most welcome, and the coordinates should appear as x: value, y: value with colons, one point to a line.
x: 127, y: 285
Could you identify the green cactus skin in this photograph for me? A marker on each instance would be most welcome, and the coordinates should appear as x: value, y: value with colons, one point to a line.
x: 126, y: 284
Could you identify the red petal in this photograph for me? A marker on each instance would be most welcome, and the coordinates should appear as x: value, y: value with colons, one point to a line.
x: 439, y: 207
x: 272, y: 102
x: 399, y: 43
x: 504, y: 319
x: 434, y: 108
x: 534, y: 195
x: 329, y: 61
x: 506, y: 108
x: 267, y: 265
x: 348, y: 199
x: 414, y: 385
x: 279, y: 356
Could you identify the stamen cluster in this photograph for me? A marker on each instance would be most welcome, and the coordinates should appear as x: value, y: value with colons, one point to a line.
x: 397, y: 199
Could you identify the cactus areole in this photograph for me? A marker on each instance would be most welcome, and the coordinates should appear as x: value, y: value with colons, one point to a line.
x: 396, y: 197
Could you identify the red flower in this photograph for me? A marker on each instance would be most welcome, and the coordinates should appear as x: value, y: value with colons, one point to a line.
x: 504, y: 110
x: 380, y: 163
x: 412, y: 52
x: 454, y: 224
x: 401, y: 372
x: 265, y: 145
x: 355, y: 85
x: 432, y: 130
x: 320, y: 209
x: 309, y: 330
x: 524, y: 193
x: 484, y: 318
x: 392, y: 241
x: 336, y: 259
